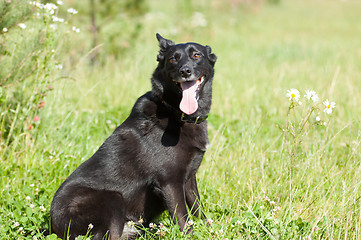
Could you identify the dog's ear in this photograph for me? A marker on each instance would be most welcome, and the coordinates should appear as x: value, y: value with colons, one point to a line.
x: 211, y: 56
x: 164, y: 44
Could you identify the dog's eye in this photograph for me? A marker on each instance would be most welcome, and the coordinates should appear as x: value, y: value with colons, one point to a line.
x: 196, y: 55
x: 172, y: 60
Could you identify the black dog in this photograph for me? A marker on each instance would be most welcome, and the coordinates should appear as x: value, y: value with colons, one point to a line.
x: 149, y: 163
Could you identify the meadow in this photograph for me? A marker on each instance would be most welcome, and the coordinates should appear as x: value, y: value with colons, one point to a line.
x: 275, y: 169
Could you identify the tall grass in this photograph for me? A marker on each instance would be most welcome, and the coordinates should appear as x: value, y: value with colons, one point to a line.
x: 251, y: 186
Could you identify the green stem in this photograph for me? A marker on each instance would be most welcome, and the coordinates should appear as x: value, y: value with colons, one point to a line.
x: 306, y: 119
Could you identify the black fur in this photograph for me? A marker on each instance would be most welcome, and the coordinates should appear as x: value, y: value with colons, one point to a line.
x: 149, y: 163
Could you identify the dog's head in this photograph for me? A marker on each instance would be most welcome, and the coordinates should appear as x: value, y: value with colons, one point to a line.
x: 184, y: 74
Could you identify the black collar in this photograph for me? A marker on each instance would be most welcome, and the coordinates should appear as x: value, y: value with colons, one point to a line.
x: 184, y: 117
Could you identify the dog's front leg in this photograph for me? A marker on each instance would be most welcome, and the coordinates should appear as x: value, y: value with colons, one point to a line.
x: 176, y: 204
x: 193, y: 199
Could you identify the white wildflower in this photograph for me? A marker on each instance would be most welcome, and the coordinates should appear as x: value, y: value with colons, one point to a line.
x: 50, y: 7
x: 315, y: 98
x: 42, y: 208
x: 311, y: 96
x: 329, y: 106
x: 56, y: 19
x: 293, y: 94
x: 58, y: 66
x: 189, y: 223
x: 28, y: 198
x: 161, y: 226
x: 161, y: 233
x: 72, y: 11
x: 152, y: 225
x: 5, y: 30
x: 318, y: 119
x: 59, y: 2
x: 21, y: 230
x: 22, y: 25
x: 75, y: 29
x: 90, y: 226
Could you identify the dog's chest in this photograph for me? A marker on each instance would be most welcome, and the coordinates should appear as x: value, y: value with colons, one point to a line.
x: 194, y: 136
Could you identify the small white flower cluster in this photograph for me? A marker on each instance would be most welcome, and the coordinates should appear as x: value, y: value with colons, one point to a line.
x: 17, y: 224
x: 75, y: 29
x: 50, y: 8
x: 161, y: 228
x: 272, y: 204
x: 59, y: 67
x: 57, y: 19
x: 72, y: 11
x: 311, y: 96
x: 32, y: 206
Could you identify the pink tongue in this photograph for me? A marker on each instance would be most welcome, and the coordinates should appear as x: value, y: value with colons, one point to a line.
x: 189, y: 103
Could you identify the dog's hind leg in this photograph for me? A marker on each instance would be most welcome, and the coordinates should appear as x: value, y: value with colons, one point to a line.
x: 84, y: 209
x: 111, y: 217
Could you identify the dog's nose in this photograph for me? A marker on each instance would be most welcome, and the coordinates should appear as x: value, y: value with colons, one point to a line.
x: 185, y: 71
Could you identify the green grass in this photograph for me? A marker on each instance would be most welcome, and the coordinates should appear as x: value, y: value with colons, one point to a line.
x: 263, y: 50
